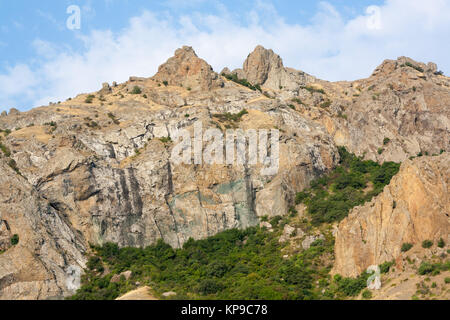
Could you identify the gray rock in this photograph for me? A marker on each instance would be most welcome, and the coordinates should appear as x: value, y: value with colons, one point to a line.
x: 169, y: 294
x: 306, y: 243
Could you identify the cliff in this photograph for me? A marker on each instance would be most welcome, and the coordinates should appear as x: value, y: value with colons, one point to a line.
x: 96, y: 168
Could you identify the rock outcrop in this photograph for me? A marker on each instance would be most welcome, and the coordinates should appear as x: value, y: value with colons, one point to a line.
x: 187, y: 70
x: 394, y: 114
x: 47, y: 258
x: 414, y: 207
x: 265, y: 68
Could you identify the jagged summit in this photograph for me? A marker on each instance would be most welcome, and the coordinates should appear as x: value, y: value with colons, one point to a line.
x: 260, y: 63
x: 389, y: 66
x: 265, y: 68
x: 186, y: 69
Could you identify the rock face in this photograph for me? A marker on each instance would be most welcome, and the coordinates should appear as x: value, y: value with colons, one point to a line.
x: 189, y: 71
x: 394, y: 113
x: 265, y: 68
x: 102, y: 171
x: 48, y: 259
x: 413, y: 208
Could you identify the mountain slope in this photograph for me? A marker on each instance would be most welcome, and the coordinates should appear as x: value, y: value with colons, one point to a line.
x: 102, y: 160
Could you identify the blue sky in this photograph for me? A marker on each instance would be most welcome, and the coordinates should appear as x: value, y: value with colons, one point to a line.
x: 41, y: 60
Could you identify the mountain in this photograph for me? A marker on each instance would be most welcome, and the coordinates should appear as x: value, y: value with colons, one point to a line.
x: 97, y: 168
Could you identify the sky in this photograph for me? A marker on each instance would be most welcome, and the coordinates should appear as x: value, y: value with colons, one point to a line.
x: 49, y: 52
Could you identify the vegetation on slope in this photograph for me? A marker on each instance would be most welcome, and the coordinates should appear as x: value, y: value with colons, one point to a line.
x: 236, y: 264
x: 352, y: 183
x: 252, y: 263
x: 244, y: 82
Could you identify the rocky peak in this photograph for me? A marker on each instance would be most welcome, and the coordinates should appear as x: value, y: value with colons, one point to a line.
x: 260, y: 63
x: 265, y: 68
x: 389, y: 66
x: 186, y: 69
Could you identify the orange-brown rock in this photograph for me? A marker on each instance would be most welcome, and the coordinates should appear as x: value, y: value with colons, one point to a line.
x: 188, y: 70
x: 414, y: 207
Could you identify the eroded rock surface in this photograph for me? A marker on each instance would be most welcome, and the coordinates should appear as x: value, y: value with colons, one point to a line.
x: 96, y: 170
x: 414, y: 207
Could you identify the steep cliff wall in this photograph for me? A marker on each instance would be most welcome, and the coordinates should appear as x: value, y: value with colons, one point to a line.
x: 414, y: 207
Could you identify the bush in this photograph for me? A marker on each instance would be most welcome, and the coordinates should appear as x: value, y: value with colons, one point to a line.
x: 447, y: 280
x: 441, y: 243
x: 406, y: 247
x: 228, y: 117
x: 113, y: 118
x: 409, y: 64
x: 15, y: 240
x: 352, y: 287
x: 427, y: 244
x: 425, y: 268
x: 12, y: 163
x: 385, y: 267
x: 165, y: 140
x: 233, y: 77
x: 95, y: 264
x: 136, y: 90
x: 326, y: 104
x: 5, y: 150
x: 367, y: 294
x: 386, y: 141
x: 209, y: 286
x: 89, y: 98
x: 312, y: 90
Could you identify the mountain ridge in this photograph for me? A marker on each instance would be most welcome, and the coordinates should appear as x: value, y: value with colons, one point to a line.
x: 99, y: 163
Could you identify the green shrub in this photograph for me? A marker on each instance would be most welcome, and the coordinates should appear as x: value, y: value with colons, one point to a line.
x: 447, y: 280
x: 209, y: 286
x: 228, y: 117
x: 297, y: 100
x: 312, y: 89
x: 5, y: 150
x: 406, y: 247
x: 385, y: 267
x: 326, y: 104
x: 386, y: 141
x: 409, y: 64
x: 165, y: 139
x: 136, y: 90
x: 441, y: 243
x: 89, y: 98
x: 233, y: 77
x: 434, y: 269
x: 367, y: 294
x: 427, y: 244
x: 113, y: 118
x: 95, y: 264
x: 14, y: 240
x: 166, y: 83
x: 12, y: 163
x: 352, y: 287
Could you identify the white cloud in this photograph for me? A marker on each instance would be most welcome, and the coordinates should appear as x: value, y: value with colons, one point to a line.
x: 329, y: 47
